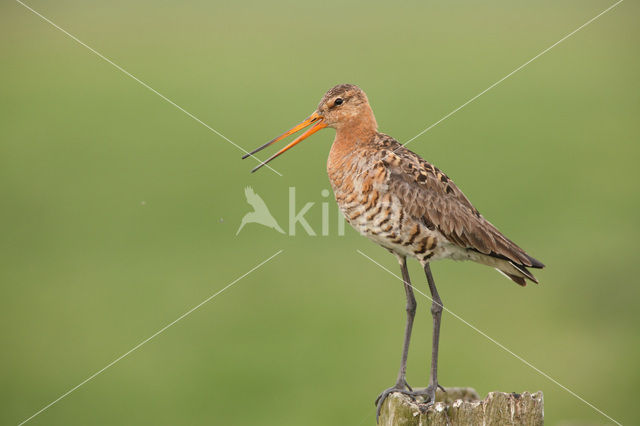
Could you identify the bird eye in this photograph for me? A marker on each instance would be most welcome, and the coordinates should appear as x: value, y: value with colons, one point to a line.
x: 338, y: 101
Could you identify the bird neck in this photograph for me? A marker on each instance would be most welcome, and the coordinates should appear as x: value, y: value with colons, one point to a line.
x: 357, y: 131
x: 350, y: 137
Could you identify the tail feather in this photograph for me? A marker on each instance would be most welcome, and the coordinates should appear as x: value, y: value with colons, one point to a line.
x: 516, y: 279
x: 516, y: 272
x: 524, y: 272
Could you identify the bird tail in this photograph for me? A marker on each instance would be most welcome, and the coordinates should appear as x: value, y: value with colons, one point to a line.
x: 516, y: 272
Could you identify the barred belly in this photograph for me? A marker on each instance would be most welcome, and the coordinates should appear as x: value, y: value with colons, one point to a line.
x: 381, y: 218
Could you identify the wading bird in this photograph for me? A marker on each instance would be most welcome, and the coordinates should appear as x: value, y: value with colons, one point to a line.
x: 406, y: 205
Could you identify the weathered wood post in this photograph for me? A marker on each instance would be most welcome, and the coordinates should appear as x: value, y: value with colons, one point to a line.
x: 463, y: 406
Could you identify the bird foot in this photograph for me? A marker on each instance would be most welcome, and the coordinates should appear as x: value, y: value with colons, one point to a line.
x: 400, y: 387
x: 426, y: 397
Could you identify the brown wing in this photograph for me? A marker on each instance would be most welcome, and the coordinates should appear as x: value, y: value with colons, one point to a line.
x: 429, y: 195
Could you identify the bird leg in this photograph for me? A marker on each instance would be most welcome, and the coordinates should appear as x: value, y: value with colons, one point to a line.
x: 401, y: 383
x: 429, y: 393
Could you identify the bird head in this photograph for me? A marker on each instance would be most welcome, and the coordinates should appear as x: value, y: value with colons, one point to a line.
x: 343, y: 107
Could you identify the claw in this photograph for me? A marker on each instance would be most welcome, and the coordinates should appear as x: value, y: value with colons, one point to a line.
x: 397, y: 388
x: 429, y: 394
x: 424, y: 407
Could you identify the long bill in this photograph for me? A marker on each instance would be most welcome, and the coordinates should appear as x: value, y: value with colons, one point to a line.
x: 313, y: 118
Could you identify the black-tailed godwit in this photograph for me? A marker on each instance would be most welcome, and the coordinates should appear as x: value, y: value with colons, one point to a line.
x: 406, y: 205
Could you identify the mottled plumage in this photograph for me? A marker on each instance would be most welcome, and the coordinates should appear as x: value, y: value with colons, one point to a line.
x: 412, y: 208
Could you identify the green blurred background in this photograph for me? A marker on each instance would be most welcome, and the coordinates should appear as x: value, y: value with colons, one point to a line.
x: 119, y: 212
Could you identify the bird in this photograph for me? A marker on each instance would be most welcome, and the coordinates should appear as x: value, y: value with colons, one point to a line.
x: 408, y: 206
x: 260, y: 213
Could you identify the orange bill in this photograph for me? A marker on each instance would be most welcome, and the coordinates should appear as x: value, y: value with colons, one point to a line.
x: 313, y: 118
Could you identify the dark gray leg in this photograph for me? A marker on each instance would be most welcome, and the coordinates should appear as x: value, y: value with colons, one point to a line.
x: 401, y: 383
x: 411, y: 313
x: 436, y: 311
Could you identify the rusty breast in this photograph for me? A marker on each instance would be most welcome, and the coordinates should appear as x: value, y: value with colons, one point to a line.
x: 359, y: 178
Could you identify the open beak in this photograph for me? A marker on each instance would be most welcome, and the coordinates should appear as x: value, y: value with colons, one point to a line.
x: 313, y: 118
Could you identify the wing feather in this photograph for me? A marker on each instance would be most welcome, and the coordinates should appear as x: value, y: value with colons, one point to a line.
x: 428, y: 194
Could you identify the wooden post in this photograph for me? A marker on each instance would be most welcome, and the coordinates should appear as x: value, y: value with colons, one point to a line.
x: 462, y: 406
